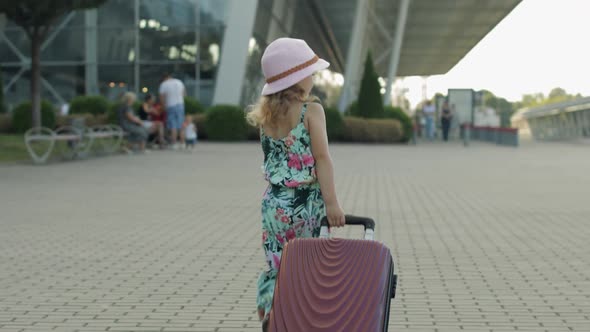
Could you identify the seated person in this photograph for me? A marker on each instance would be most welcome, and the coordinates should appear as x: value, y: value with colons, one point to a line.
x: 159, y: 114
x: 146, y: 114
x: 137, y: 134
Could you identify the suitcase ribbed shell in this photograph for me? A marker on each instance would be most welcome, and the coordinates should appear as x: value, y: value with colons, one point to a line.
x: 332, y: 285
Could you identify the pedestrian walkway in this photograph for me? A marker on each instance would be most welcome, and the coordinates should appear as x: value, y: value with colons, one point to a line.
x: 484, y: 238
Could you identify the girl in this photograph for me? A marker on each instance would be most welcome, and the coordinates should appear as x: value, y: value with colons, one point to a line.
x: 297, y: 163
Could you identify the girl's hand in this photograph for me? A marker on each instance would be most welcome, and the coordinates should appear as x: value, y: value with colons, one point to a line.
x: 335, y: 215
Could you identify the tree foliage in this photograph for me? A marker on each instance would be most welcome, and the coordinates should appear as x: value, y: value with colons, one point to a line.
x: 36, y: 18
x: 2, y: 106
x: 370, y: 103
x: 556, y: 95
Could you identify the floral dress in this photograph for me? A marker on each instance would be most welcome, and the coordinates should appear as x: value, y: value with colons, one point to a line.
x: 292, y: 205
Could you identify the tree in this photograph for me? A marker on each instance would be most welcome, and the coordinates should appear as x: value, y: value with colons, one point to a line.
x: 556, y: 95
x: 370, y: 103
x: 36, y: 18
x: 503, y: 107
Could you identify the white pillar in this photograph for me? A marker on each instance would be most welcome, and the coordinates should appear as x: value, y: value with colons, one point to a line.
x: 353, y: 58
x: 91, y: 74
x: 397, y: 47
x: 234, y: 52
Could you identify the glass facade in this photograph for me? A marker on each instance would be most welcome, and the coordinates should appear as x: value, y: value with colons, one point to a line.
x: 125, y: 45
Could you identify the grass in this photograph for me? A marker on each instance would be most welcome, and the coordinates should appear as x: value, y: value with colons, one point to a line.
x: 12, y: 148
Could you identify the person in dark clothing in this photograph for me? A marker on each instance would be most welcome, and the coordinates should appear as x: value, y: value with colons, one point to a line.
x: 446, y: 118
x: 147, y: 114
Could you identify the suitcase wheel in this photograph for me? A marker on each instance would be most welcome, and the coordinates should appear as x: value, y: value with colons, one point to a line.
x: 394, y: 286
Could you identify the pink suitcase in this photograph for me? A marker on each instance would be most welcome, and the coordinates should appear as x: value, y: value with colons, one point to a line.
x: 329, y: 284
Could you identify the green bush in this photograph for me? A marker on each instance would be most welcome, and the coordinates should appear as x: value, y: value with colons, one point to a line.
x: 2, y: 106
x: 111, y: 114
x: 192, y: 106
x: 397, y: 113
x: 352, y: 109
x: 5, y: 123
x: 371, y: 130
x: 22, y: 116
x: 253, y: 133
x: 226, y: 123
x: 370, y: 103
x: 200, y: 121
x: 89, y: 119
x: 334, y: 123
x: 89, y: 104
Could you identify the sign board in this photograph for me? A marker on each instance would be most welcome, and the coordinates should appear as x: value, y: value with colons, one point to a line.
x: 461, y: 103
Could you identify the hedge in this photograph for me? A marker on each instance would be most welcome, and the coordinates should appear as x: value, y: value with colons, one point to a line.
x: 22, y: 116
x: 5, y: 123
x: 334, y: 123
x: 200, y: 122
x: 192, y: 106
x: 226, y: 123
x: 371, y: 130
x: 405, y: 120
x: 89, y: 119
x: 89, y: 104
x: 2, y: 106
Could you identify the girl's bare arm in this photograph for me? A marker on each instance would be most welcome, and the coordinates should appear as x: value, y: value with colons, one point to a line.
x: 316, y: 123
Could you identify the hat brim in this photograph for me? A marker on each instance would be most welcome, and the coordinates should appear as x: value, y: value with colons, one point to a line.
x: 289, y: 81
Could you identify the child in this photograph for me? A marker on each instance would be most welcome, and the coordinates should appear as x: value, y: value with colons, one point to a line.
x: 297, y: 163
x: 190, y: 132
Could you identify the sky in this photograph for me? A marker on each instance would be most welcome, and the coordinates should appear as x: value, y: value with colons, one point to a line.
x: 540, y: 45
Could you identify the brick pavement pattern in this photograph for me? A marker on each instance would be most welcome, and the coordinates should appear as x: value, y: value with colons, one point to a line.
x: 484, y: 238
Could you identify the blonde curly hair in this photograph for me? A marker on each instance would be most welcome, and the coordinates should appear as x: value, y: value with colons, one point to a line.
x: 270, y: 108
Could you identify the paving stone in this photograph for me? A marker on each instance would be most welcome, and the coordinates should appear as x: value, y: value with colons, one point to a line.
x: 484, y: 238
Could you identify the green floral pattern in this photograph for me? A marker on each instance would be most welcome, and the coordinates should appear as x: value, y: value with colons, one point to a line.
x: 292, y: 205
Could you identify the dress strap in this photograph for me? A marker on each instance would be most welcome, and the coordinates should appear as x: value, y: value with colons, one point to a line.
x: 303, y: 110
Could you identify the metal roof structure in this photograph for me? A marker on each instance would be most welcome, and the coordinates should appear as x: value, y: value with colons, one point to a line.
x: 437, y: 34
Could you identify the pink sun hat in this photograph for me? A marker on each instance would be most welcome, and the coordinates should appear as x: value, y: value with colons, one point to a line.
x: 286, y: 62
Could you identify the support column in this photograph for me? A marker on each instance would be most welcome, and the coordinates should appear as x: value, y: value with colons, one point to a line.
x: 353, y: 57
x: 91, y: 74
x: 197, y: 88
x: 136, y: 46
x: 397, y: 47
x: 275, y: 30
x: 234, y: 52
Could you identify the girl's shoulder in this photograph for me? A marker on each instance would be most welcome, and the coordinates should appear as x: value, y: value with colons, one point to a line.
x: 314, y: 110
x: 314, y: 115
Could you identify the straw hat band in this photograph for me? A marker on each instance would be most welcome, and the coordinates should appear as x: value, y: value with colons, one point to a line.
x: 293, y: 70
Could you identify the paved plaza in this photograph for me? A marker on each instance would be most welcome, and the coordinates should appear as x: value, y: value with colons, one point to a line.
x: 484, y: 238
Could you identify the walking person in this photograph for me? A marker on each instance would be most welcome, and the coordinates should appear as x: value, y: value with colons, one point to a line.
x: 446, y: 118
x: 172, y: 93
x: 428, y: 113
x: 297, y: 163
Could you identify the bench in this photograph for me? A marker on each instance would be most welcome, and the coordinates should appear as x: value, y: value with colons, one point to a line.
x: 79, y: 140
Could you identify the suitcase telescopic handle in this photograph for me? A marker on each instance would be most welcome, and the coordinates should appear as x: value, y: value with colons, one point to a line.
x: 368, y: 223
